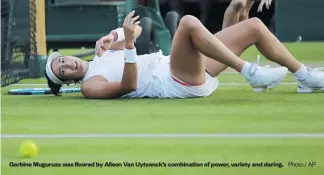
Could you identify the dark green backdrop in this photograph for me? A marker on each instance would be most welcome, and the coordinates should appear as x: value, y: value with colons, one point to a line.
x: 299, y: 18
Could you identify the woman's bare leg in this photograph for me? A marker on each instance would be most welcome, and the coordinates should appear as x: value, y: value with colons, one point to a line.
x: 192, y: 39
x: 247, y: 33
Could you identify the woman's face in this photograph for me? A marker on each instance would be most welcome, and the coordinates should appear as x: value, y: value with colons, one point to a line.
x: 69, y: 67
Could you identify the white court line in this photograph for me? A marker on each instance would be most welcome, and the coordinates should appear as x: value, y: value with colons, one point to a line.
x: 175, y: 135
x: 222, y: 84
x: 239, y: 84
x: 36, y: 85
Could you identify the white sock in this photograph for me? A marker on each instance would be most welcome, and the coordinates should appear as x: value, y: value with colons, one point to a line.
x: 301, y: 73
x: 245, y: 69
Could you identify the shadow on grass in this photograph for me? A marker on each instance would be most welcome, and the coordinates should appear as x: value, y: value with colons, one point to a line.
x: 168, y: 102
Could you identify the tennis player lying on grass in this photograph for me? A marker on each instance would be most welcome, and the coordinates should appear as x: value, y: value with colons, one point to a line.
x: 197, y: 58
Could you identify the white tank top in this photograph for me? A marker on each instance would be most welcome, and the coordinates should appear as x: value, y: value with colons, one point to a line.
x: 111, y: 67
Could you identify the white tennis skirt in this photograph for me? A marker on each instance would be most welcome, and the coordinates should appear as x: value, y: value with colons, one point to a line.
x: 165, y: 85
x: 160, y: 83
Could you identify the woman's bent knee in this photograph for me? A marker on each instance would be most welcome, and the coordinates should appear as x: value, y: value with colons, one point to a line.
x: 255, y: 25
x: 189, y: 22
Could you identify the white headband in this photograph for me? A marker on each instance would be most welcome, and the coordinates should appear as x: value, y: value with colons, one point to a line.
x: 49, y: 71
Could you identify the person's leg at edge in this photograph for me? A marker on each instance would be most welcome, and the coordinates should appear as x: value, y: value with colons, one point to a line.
x: 244, y: 15
x: 232, y: 13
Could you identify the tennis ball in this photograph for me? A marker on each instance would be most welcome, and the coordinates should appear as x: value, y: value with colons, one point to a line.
x: 28, y: 149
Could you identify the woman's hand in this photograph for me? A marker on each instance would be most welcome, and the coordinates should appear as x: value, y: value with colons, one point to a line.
x: 103, y: 44
x: 129, y: 26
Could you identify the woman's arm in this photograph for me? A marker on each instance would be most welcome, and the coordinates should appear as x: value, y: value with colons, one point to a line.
x: 115, y: 40
x: 120, y: 45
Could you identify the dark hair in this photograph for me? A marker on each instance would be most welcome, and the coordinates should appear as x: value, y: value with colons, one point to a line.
x: 55, y: 88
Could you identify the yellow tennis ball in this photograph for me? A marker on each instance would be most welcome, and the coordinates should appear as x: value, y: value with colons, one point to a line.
x: 28, y: 149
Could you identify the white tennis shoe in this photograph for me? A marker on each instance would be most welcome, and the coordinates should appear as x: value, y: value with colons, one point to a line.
x: 313, y: 81
x: 262, y: 78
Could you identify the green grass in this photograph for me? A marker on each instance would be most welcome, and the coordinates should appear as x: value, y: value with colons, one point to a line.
x: 72, y: 51
x: 311, y: 53
x: 76, y: 51
x: 230, y: 109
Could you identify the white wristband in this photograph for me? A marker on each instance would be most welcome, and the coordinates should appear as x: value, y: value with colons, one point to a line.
x: 120, y: 34
x: 130, y: 55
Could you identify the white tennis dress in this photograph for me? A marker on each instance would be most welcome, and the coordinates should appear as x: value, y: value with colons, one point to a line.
x: 154, y: 77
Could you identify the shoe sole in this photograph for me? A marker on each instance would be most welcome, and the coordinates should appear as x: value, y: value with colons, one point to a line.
x: 308, y: 90
x: 262, y: 89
